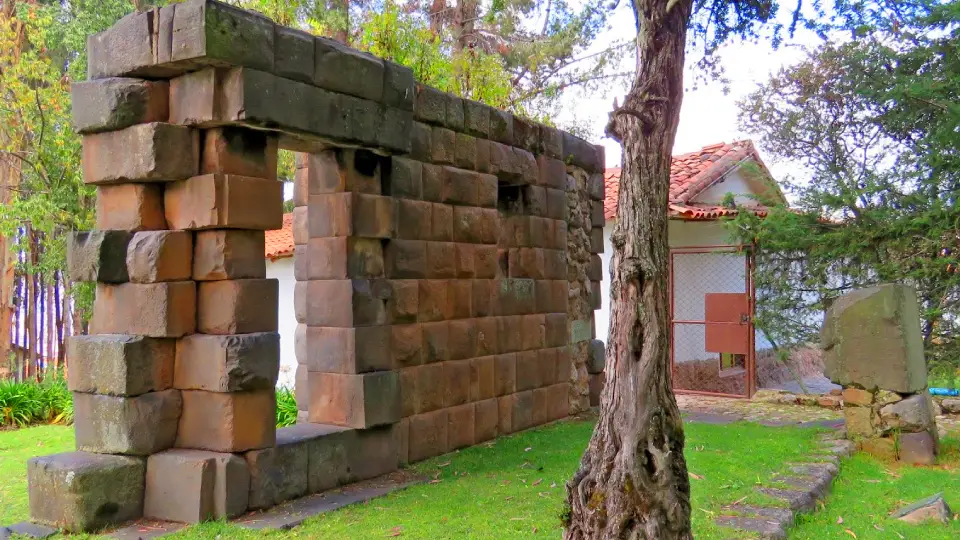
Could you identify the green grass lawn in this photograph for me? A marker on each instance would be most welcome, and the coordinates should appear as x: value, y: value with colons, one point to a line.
x: 16, y: 447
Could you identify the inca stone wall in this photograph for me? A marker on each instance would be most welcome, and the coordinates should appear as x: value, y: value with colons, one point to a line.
x: 444, y: 266
x: 873, y: 347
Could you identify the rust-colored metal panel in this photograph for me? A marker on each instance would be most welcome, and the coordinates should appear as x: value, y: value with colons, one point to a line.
x: 726, y: 307
x: 727, y: 338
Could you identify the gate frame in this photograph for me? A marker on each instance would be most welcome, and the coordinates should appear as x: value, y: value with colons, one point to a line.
x: 750, y: 290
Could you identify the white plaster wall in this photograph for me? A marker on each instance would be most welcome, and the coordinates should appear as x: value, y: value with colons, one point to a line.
x: 733, y: 182
x: 282, y: 270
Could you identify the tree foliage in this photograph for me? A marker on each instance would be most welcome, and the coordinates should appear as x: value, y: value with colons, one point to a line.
x: 873, y: 123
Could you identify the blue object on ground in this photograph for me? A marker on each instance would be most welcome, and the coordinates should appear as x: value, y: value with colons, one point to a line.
x: 944, y: 392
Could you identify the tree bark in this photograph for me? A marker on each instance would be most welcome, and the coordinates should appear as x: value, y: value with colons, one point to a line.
x: 632, y: 482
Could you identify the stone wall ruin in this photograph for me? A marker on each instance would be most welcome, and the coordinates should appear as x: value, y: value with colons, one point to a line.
x: 441, y: 266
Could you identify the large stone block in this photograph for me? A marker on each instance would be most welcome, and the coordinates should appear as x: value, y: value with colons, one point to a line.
x: 228, y: 363
x: 152, y: 310
x: 155, y: 256
x: 347, y: 303
x: 227, y: 254
x: 912, y: 414
x: 460, y: 426
x: 84, y: 492
x: 871, y: 338
x: 119, y: 365
x: 358, y: 401
x: 351, y: 214
x: 329, y: 452
x: 228, y: 422
x: 130, y: 207
x: 154, y: 152
x: 224, y: 201
x: 117, y: 103
x: 918, y: 448
x: 139, y: 426
x: 240, y: 151
x: 293, y: 55
x: 376, y: 452
x: 126, y: 48
x: 212, y: 33
x: 348, y: 71
x: 191, y: 486
x: 486, y: 420
x: 237, y: 306
x: 348, y: 350
x: 280, y: 473
x: 343, y: 257
x: 428, y: 435
x: 596, y: 359
x: 98, y: 256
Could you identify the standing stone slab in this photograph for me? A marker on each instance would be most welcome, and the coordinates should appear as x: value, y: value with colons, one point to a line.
x: 871, y: 338
x: 98, y: 256
x: 119, y: 365
x: 138, y: 426
x: 82, y: 492
x: 230, y: 363
x: 117, y: 103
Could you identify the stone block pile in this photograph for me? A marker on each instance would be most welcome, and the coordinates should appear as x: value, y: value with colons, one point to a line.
x: 873, y: 348
x: 446, y: 261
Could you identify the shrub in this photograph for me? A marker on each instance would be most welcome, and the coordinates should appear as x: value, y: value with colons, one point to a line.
x: 25, y: 403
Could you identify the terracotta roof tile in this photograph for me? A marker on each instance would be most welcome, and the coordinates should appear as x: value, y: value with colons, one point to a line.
x: 279, y: 242
x: 690, y: 174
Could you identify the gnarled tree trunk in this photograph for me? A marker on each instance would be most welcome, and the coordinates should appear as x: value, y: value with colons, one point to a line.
x: 632, y: 481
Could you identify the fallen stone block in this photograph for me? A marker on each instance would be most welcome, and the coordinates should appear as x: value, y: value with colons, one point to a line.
x: 190, y: 486
x: 84, y: 492
x: 152, y: 310
x: 228, y: 254
x: 237, y: 306
x: 228, y: 422
x: 117, y: 103
x: 130, y: 207
x: 223, y: 201
x: 156, y: 256
x: 358, y: 401
x: 228, y: 363
x: 154, y: 152
x: 119, y: 365
x: 98, y: 256
x: 139, y: 426
x: 933, y: 508
x: 239, y: 151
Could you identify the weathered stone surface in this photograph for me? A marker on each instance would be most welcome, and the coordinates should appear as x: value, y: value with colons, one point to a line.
x: 155, y: 256
x: 123, y: 49
x: 358, y: 401
x: 856, y: 396
x: 933, y: 508
x: 237, y: 306
x: 227, y: 254
x: 117, y: 103
x: 329, y: 453
x: 348, y: 71
x: 152, y: 310
x: 280, y: 473
x: 119, y: 365
x: 428, y: 435
x: 911, y: 414
x: 918, y: 448
x: 139, y: 426
x: 293, y: 55
x: 154, y: 152
x: 223, y: 201
x: 228, y: 422
x: 398, y: 86
x: 342, y: 257
x: 861, y: 421
x: 881, y: 447
x: 239, y: 151
x: 597, y: 357
x: 796, y: 500
x: 83, y: 492
x: 348, y: 350
x: 98, y: 256
x: 228, y: 363
x: 763, y: 527
x: 871, y: 338
x: 376, y: 452
x: 130, y: 207
x: 351, y: 214
x: 347, y: 303
x: 181, y: 486
x: 212, y: 33
x: 951, y: 406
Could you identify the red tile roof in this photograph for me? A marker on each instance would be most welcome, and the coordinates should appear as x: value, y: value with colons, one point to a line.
x: 279, y: 242
x: 690, y: 174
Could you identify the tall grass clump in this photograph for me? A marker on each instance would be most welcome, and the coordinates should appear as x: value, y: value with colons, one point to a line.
x: 286, y: 407
x: 26, y: 403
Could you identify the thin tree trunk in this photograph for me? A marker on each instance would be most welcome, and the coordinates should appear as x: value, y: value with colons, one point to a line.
x: 60, y: 301
x: 632, y: 482
x: 464, y: 24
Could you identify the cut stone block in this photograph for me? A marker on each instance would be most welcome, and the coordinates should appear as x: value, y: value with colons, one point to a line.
x: 596, y: 361
x: 347, y: 303
x: 227, y: 254
x: 98, y: 256
x: 348, y: 350
x: 398, y: 86
x: 239, y: 151
x: 237, y: 306
x: 228, y: 422
x: 191, y: 486
x: 223, y: 201
x: 117, y: 103
x: 130, y: 207
x: 139, y: 426
x: 84, y: 492
x: 280, y: 473
x: 155, y: 256
x: 228, y: 363
x: 154, y: 152
x: 871, y: 338
x: 358, y: 401
x: 348, y: 71
x: 351, y: 214
x: 428, y: 435
x: 933, y: 508
x: 912, y: 414
x: 123, y: 49
x: 213, y: 33
x: 376, y: 452
x: 119, y: 365
x: 460, y: 426
x: 152, y: 310
x: 293, y: 55
x: 918, y: 448
x: 343, y: 257
x: 329, y: 453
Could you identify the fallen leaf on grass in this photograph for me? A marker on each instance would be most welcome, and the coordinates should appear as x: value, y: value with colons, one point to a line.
x: 441, y: 465
x: 902, y: 537
x: 695, y: 476
x: 508, y: 498
x: 436, y: 481
x: 554, y: 484
x: 542, y: 494
x: 527, y: 449
x: 839, y: 520
x: 740, y: 500
x: 877, y: 527
x: 534, y: 530
x: 537, y: 482
x: 518, y: 519
x: 851, y: 533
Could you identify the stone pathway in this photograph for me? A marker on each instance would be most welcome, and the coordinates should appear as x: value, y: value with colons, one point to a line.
x: 797, y: 489
x: 815, y: 384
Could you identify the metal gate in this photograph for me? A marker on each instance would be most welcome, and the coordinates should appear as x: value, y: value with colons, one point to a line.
x: 711, y: 330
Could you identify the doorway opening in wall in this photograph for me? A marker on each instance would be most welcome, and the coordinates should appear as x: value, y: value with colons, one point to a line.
x: 711, y: 310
